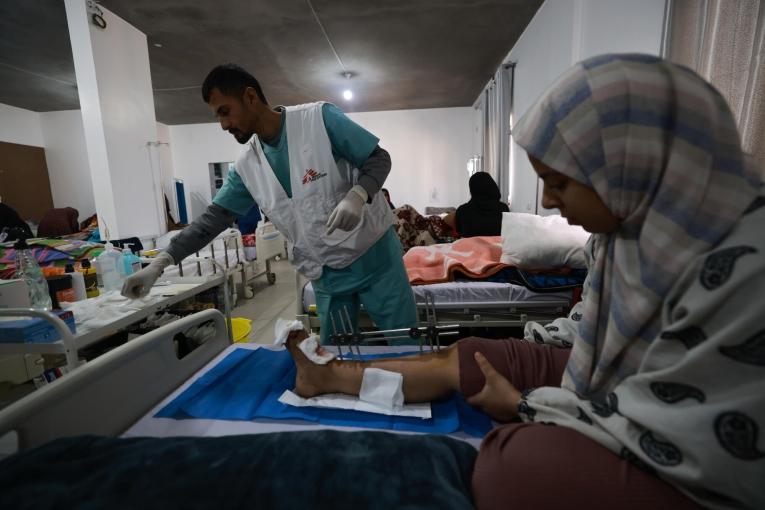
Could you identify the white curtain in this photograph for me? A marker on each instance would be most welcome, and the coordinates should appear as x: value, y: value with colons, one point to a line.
x: 724, y: 41
x: 496, y: 141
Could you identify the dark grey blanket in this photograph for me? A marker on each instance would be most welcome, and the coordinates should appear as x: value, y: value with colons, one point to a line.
x: 290, y: 470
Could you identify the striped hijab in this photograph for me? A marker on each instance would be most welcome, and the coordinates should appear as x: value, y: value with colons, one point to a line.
x: 660, y: 147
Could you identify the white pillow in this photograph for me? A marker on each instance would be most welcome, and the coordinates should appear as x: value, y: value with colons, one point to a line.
x: 542, y: 242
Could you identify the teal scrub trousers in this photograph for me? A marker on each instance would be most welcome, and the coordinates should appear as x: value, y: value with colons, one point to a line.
x: 377, y: 280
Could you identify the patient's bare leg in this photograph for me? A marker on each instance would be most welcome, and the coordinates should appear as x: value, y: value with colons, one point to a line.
x: 426, y: 377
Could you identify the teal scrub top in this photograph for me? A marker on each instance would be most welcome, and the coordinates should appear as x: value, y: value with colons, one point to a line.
x: 350, y: 142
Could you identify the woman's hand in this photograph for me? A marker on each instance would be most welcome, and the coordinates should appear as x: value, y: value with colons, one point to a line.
x: 498, y: 398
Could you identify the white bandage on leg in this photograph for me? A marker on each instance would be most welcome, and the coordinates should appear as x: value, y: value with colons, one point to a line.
x: 283, y: 328
x: 312, y: 350
x: 382, y: 388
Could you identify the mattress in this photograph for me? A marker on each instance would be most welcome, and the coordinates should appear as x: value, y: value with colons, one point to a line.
x: 150, y: 426
x: 469, y: 294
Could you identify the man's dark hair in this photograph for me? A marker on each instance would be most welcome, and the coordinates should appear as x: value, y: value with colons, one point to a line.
x: 232, y: 81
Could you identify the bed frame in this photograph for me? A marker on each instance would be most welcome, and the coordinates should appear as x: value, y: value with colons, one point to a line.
x: 495, y: 314
x: 110, y: 393
x: 239, y: 271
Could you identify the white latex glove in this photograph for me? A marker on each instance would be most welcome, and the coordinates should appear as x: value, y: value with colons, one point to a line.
x: 347, y: 214
x: 138, y: 284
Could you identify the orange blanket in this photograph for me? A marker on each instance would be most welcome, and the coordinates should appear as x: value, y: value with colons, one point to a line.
x: 473, y: 256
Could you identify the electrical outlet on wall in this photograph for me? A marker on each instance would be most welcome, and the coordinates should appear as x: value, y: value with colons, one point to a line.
x: 433, y: 195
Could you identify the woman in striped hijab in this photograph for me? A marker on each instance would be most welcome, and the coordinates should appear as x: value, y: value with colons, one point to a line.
x: 661, y: 399
x: 668, y: 359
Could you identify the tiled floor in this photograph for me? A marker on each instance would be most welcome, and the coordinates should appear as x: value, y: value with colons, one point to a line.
x: 269, y: 303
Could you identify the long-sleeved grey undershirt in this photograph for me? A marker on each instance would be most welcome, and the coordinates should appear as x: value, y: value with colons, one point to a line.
x: 216, y: 219
x: 202, y: 230
x: 374, y: 171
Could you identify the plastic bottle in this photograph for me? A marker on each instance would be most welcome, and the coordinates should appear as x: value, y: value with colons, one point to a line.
x: 130, y: 263
x: 90, y: 277
x: 108, y: 264
x: 28, y: 270
x: 78, y: 282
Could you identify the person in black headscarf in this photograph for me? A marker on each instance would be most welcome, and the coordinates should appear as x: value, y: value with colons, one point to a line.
x: 482, y: 215
x: 12, y: 225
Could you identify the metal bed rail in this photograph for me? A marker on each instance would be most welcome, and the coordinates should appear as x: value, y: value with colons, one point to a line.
x: 107, y: 395
x: 66, y: 345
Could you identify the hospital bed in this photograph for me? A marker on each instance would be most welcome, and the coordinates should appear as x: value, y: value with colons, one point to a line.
x: 118, y: 394
x: 231, y: 257
x: 465, y: 303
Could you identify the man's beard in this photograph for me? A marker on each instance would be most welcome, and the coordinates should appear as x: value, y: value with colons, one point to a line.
x: 242, y: 137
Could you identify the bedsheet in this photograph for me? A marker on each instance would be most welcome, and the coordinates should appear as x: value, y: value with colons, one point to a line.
x: 49, y: 252
x: 152, y: 426
x: 247, y: 384
x: 476, y: 257
x: 566, y: 279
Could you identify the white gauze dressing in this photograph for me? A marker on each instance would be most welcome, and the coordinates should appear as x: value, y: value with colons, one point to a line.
x: 382, y: 388
x: 283, y: 328
x: 313, y: 351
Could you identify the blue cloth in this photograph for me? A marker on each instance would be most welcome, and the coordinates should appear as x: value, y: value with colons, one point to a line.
x: 538, y: 282
x: 349, y: 141
x: 247, y: 384
x: 377, y: 280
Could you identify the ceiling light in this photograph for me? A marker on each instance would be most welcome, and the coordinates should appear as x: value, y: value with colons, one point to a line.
x: 347, y: 93
x: 157, y: 45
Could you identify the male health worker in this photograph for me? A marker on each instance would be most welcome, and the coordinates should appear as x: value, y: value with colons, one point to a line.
x: 316, y: 175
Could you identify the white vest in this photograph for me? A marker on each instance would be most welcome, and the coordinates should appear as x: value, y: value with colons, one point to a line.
x: 318, y: 185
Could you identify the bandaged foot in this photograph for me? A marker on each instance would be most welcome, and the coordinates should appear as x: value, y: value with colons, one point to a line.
x: 311, y: 377
x: 310, y: 346
x: 314, y: 351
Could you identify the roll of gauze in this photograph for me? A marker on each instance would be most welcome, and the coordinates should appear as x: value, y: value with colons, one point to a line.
x: 382, y: 388
x: 312, y: 350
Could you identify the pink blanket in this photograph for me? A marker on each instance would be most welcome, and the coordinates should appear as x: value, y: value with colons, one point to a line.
x: 473, y: 256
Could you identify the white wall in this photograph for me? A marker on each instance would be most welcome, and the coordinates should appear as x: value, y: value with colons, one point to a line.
x: 62, y: 135
x: 429, y: 150
x: 620, y: 26
x: 193, y: 147
x: 20, y: 126
x: 562, y: 33
x: 67, y: 158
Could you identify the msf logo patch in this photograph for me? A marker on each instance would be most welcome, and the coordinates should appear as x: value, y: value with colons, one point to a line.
x: 312, y: 175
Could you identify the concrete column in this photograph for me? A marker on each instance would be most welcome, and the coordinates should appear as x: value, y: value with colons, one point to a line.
x: 117, y: 105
